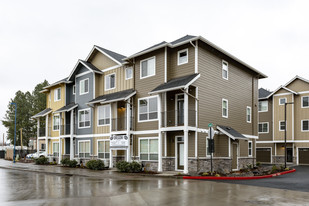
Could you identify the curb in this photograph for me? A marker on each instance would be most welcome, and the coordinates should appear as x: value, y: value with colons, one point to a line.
x: 239, y: 178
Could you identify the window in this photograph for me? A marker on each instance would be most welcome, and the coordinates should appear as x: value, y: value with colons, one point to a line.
x: 282, y: 101
x: 225, y: 70
x: 148, y: 149
x: 56, y: 149
x: 305, y: 102
x: 74, y: 89
x: 225, y: 108
x: 148, y: 109
x: 129, y: 73
x: 110, y: 81
x: 84, y: 86
x: 263, y: 127
x: 263, y: 106
x: 250, y: 148
x: 84, y: 118
x: 148, y: 67
x: 103, y: 149
x: 56, y: 122
x: 248, y: 114
x: 305, y: 125
x: 281, y: 125
x: 57, y: 94
x: 182, y: 56
x: 84, y: 149
x: 104, y: 115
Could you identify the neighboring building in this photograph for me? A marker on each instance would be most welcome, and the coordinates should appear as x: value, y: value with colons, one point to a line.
x: 155, y: 107
x: 270, y: 145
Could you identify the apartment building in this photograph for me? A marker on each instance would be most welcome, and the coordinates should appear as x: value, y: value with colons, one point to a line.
x: 272, y: 124
x: 155, y: 106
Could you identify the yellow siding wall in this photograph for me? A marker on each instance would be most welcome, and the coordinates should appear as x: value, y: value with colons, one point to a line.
x: 121, y: 82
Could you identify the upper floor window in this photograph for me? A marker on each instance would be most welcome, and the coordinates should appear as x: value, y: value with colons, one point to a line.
x: 225, y: 70
x: 263, y: 106
x: 282, y: 101
x: 110, y: 81
x: 57, y: 94
x: 282, y: 125
x: 305, y: 125
x: 305, y: 102
x: 148, y: 109
x: 129, y: 73
x: 182, y: 56
x: 248, y: 114
x: 84, y: 118
x: 104, y: 115
x: 225, y: 108
x: 56, y: 122
x: 103, y: 149
x: 263, y: 127
x: 249, y: 148
x: 148, y: 149
x: 74, y: 89
x: 148, y: 67
x: 84, y: 86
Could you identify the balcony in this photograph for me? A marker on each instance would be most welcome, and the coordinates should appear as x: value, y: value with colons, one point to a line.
x: 42, y: 132
x: 175, y: 118
x: 66, y: 129
x: 120, y: 124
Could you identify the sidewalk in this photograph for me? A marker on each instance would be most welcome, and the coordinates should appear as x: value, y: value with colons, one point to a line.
x: 59, y: 170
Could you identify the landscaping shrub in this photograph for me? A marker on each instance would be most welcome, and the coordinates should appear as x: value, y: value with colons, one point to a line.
x: 65, y: 161
x: 258, y: 164
x: 95, y: 164
x: 274, y: 169
x: 72, y: 163
x: 41, y: 161
x: 124, y: 166
x: 135, y: 167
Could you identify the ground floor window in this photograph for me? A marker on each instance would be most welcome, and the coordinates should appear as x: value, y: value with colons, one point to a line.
x: 103, y: 149
x: 84, y: 149
x: 148, y: 149
x: 250, y: 148
x: 56, y: 149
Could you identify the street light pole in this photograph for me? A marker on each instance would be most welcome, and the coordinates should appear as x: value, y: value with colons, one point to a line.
x: 13, y: 103
x: 285, y: 125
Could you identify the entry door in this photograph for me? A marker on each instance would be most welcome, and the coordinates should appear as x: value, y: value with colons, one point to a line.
x: 180, y: 109
x: 235, y: 156
x: 180, y: 153
x: 289, y: 154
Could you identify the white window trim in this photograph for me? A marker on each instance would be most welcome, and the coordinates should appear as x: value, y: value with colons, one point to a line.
x: 80, y: 86
x: 249, y: 148
x: 267, y: 127
x: 79, y: 116
x: 250, y: 115
x: 126, y: 73
x: 302, y: 102
x: 302, y: 129
x: 267, y: 106
x: 74, y: 89
x: 139, y: 148
x: 102, y: 140
x: 178, y: 56
x: 280, y: 126
x: 59, y: 123
x: 56, y: 94
x: 227, y: 108
x: 106, y: 76
x: 282, y: 98
x: 154, y: 57
x: 110, y: 114
x: 149, y: 120
x: 55, y: 142
x: 81, y: 142
x: 227, y: 71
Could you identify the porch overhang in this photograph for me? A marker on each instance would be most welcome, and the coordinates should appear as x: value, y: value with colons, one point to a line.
x: 177, y: 83
x: 231, y: 133
x: 67, y: 108
x: 42, y: 113
x: 114, y: 97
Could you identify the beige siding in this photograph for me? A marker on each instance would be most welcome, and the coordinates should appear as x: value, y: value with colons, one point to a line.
x: 298, y: 86
x: 121, y: 82
x: 221, y: 146
x: 101, y: 61
x: 99, y: 85
x: 267, y: 117
x: 268, y: 145
x: 299, y: 115
x: 201, y: 146
x: 243, y: 147
x: 280, y: 148
x: 99, y: 129
x: 95, y: 144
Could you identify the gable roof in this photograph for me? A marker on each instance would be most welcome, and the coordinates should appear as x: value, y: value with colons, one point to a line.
x: 116, y: 57
x: 42, y: 113
x: 117, y: 96
x: 87, y: 65
x: 296, y: 77
x: 230, y: 132
x: 67, y: 108
x: 263, y: 93
x: 62, y: 81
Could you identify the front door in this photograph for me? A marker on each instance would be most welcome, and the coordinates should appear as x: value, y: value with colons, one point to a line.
x: 235, y: 157
x: 289, y: 154
x: 180, y: 109
x: 180, y: 153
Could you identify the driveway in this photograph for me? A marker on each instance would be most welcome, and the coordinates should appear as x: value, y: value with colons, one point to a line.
x: 297, y: 181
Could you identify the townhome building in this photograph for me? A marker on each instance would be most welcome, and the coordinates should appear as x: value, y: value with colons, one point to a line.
x: 278, y: 122
x: 155, y: 107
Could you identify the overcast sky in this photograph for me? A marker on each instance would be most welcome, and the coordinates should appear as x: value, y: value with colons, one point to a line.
x: 43, y: 40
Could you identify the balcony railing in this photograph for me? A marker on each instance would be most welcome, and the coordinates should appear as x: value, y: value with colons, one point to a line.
x: 175, y: 118
x: 42, y: 131
x: 66, y: 129
x: 120, y: 124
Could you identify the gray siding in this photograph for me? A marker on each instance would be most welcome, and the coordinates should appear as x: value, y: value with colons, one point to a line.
x: 70, y: 97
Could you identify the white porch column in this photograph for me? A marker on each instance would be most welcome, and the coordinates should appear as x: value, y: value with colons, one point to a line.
x: 110, y: 158
x: 46, y: 134
x: 71, y: 135
x: 60, y: 142
x: 186, y: 138
x: 160, y: 135
x: 128, y: 110
x: 38, y: 134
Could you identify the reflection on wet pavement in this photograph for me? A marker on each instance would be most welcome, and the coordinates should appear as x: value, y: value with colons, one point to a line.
x: 29, y: 188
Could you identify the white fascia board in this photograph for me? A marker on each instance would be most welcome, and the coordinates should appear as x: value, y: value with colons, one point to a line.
x: 147, y: 51
x: 224, y: 132
x: 192, y: 81
x: 296, y: 77
x: 108, y: 55
x: 99, y: 72
x: 166, y: 90
x: 290, y: 90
